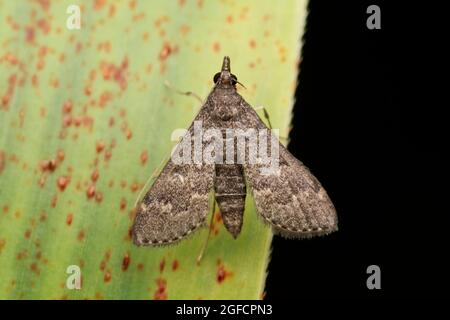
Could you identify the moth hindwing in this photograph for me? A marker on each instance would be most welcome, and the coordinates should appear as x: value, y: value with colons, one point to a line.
x: 221, y: 154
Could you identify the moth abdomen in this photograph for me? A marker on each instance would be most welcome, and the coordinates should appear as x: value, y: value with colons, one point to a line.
x: 230, y: 193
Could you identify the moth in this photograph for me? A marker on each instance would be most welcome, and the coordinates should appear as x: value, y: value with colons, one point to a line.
x: 291, y: 200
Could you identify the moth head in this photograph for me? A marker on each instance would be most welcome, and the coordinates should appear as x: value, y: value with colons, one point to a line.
x: 225, y: 76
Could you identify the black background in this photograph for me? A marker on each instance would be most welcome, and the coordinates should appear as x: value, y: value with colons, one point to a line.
x: 369, y: 130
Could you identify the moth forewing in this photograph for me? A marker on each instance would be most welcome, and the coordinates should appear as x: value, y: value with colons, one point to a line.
x: 178, y: 201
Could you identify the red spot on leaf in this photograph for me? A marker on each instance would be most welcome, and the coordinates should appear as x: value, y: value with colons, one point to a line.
x: 35, y: 83
x: 132, y: 214
x: 61, y: 155
x: 67, y: 120
x: 38, y: 255
x: 22, y: 255
x: 99, y: 4
x: 54, y: 201
x: 9, y: 57
x: 98, y: 296
x: 44, y: 25
x: 105, y: 260
x: 108, y: 154
x: 122, y: 113
x: 162, y: 264
x: 92, y: 75
x: 69, y: 219
x: 175, y: 265
x: 98, y: 196
x: 62, y: 182
x: 222, y: 273
x: 88, y: 90
x: 103, y: 265
x: 116, y: 73
x: 12, y: 82
x: 126, y: 262
x: 135, y: 187
x: 80, y: 235
x: 107, y: 277
x: 42, y: 181
x: 67, y: 107
x: 2, y: 245
x: 161, y: 290
x: 215, y: 223
x: 165, y: 51
x: 48, y: 165
x: 129, y: 234
x: 27, y: 234
x: 43, y: 217
x: 77, y: 121
x: 123, y: 204
x: 2, y: 161
x: 90, y: 193
x: 95, y: 174
x: 128, y: 134
x: 144, y: 157
x: 218, y: 217
x: 29, y: 34
x: 99, y: 146
x: 184, y: 29
x: 105, y: 97
x: 45, y: 4
x: 34, y: 267
x: 216, y: 47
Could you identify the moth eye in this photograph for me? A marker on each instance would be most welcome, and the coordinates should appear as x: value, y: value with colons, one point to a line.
x: 216, y: 77
x: 233, y: 79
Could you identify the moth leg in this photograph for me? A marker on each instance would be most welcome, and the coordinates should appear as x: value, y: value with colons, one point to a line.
x: 185, y: 93
x: 200, y: 256
x: 266, y: 116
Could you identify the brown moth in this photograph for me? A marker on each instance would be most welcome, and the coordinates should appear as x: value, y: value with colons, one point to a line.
x: 291, y: 200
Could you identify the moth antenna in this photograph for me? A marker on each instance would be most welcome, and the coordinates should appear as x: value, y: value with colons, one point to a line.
x: 202, y: 251
x: 185, y: 93
x: 241, y: 84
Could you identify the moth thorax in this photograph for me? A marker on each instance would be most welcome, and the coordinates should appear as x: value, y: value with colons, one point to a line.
x: 225, y: 112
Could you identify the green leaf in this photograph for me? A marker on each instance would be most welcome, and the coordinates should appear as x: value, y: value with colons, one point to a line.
x: 85, y: 119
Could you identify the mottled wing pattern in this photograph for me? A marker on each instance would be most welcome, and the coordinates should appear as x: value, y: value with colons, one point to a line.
x: 292, y: 201
x: 177, y: 203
